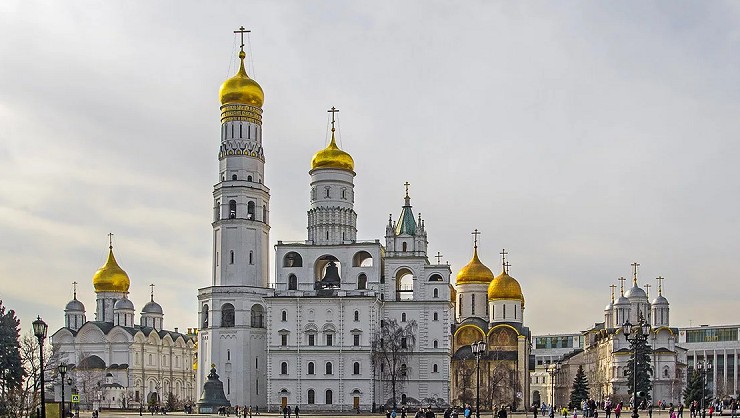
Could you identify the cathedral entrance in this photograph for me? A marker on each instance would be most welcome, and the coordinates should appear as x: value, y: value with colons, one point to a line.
x: 356, y: 403
x: 283, y: 402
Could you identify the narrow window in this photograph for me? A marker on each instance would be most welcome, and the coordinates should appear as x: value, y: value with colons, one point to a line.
x: 311, y: 339
x: 460, y: 304
x: 232, y: 209
x: 228, y: 355
x: 404, y: 371
x: 250, y: 210
x: 403, y: 343
x: 249, y: 178
x: 256, y: 362
x: 204, y: 322
x: 284, y: 340
x: 249, y: 132
x: 357, y: 316
x: 240, y: 130
x: 264, y: 213
x: 435, y: 344
x: 504, y: 306
x: 436, y: 316
x: 231, y: 255
x: 472, y: 304
x: 329, y: 339
x: 217, y: 211
x: 311, y: 397
x: 435, y: 369
x: 233, y: 176
x: 284, y: 316
x: 362, y: 282
x: 329, y: 397
x: 292, y: 282
x: 403, y: 317
x: 344, y: 193
x: 311, y: 368
x: 251, y: 261
x: 283, y: 368
x: 327, y: 192
x: 403, y: 247
x: 356, y: 340
x: 232, y: 130
x: 356, y: 368
x: 435, y: 293
x: 327, y: 234
x: 329, y: 368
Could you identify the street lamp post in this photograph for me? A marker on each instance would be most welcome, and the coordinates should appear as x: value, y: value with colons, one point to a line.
x: 62, y: 368
x: 478, y: 349
x: 703, y: 369
x: 635, y: 335
x: 39, y: 330
x: 553, y: 370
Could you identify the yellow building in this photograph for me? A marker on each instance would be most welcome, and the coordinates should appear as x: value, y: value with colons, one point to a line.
x: 490, y: 308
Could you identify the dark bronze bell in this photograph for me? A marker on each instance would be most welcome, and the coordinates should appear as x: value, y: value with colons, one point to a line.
x: 331, y: 276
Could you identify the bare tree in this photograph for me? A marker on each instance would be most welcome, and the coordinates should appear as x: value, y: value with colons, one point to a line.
x: 23, y: 400
x: 392, y: 347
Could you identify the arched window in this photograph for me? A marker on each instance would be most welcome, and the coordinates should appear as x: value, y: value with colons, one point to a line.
x: 217, y: 210
x: 344, y: 193
x: 404, y: 369
x: 284, y: 368
x: 311, y: 368
x: 435, y: 344
x: 356, y: 368
x: 435, y: 293
x: 435, y: 317
x: 292, y: 259
x: 292, y: 282
x: 403, y: 316
x: 328, y: 397
x: 362, y: 259
x: 257, y: 317
x: 231, y: 257
x: 459, y: 305
x: 403, y: 246
x: 249, y: 178
x: 405, y: 284
x: 435, y: 278
x: 264, y: 213
x: 435, y: 369
x: 204, y: 321
x: 232, y: 209
x: 283, y: 316
x: 329, y: 368
x: 311, y: 397
x: 233, y: 176
x: 357, y: 316
x: 227, y: 315
x: 250, y: 210
x: 362, y: 282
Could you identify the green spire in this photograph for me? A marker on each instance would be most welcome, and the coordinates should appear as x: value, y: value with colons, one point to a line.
x: 406, y: 224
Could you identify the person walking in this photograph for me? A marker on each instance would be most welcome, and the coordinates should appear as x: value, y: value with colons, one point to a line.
x: 297, y: 411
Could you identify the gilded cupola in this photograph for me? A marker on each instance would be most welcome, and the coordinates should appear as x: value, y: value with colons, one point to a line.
x: 332, y: 156
x: 506, y: 287
x: 111, y: 277
x: 240, y: 89
x: 474, y: 271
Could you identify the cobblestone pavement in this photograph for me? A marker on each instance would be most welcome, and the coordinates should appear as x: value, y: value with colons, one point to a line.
x: 128, y: 414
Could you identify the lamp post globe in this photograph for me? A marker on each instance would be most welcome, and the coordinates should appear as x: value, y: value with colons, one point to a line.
x: 39, y: 330
x: 62, y: 369
x: 478, y: 348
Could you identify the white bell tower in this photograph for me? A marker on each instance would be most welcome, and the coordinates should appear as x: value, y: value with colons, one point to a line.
x: 231, y: 311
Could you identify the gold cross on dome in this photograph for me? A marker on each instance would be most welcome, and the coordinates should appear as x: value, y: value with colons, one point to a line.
x: 152, y: 286
x: 241, y: 32
x: 333, y: 110
x: 407, y: 184
x: 74, y: 289
x: 635, y: 265
x: 612, y: 287
x: 439, y: 257
x: 110, y: 240
x: 660, y: 284
x: 475, y: 237
x: 647, y: 288
x: 621, y: 285
x: 503, y: 258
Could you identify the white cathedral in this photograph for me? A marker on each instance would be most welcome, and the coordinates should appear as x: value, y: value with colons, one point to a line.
x: 307, y: 341
x: 115, y: 362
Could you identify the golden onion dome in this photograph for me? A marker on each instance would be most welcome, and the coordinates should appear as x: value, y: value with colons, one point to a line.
x: 474, y: 272
x: 111, y: 277
x: 240, y: 89
x: 332, y: 157
x: 505, y: 287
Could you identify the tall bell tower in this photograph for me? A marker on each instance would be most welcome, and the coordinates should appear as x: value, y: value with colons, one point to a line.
x: 231, y: 310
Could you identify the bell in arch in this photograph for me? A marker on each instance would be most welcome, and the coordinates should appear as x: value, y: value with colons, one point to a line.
x: 331, y: 276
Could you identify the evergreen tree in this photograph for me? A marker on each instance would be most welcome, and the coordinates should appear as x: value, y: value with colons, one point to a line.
x: 695, y: 386
x: 580, y: 389
x: 10, y: 355
x: 644, y: 369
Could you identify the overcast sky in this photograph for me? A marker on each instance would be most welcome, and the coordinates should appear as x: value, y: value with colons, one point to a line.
x: 580, y: 136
